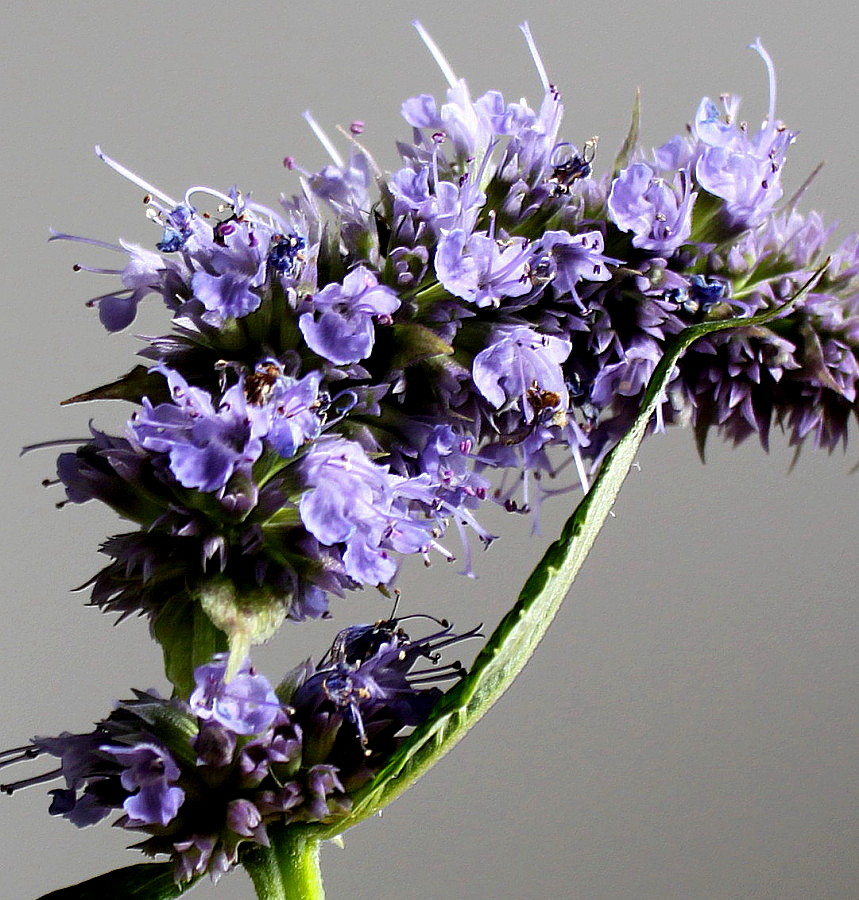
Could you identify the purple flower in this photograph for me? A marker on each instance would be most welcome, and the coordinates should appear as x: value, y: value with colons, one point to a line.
x: 629, y: 376
x: 324, y: 793
x: 348, y: 500
x: 221, y: 768
x: 480, y: 269
x: 411, y: 192
x: 227, y: 296
x: 146, y: 272
x: 75, y: 751
x: 205, y: 445
x: 243, y: 818
x: 572, y: 258
x: 473, y: 126
x: 341, y: 326
x: 447, y: 457
x: 657, y: 211
x: 196, y: 855
x: 468, y: 125
x: 283, y: 410
x: 523, y: 369
x: 149, y: 770
x: 742, y: 168
x: 344, y: 186
x: 369, y: 681
x: 280, y: 746
x: 444, y: 206
x: 244, y: 705
x: 214, y: 744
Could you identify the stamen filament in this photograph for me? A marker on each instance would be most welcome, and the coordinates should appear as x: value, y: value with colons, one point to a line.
x: 62, y: 236
x: 323, y: 139
x: 758, y: 47
x: 202, y: 189
x: 134, y: 179
x: 29, y: 782
x: 437, y: 55
x: 535, y: 55
x: 42, y: 445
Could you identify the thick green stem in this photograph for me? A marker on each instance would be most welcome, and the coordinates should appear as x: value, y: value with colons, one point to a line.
x: 289, y: 869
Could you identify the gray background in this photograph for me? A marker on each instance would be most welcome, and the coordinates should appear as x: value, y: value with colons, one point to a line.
x: 689, y: 727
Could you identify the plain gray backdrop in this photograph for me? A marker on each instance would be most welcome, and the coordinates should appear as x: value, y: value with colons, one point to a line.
x: 689, y: 727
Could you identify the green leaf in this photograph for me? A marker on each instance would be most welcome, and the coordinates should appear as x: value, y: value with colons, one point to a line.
x: 146, y: 881
x: 514, y: 640
x: 139, y: 382
x: 188, y: 639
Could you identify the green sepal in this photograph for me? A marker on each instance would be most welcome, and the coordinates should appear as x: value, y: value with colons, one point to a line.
x: 145, y: 881
x: 133, y: 386
x: 708, y: 223
x: 631, y: 142
x: 188, y: 639
x: 413, y: 343
x: 174, y: 726
x: 329, y: 262
x: 510, y: 646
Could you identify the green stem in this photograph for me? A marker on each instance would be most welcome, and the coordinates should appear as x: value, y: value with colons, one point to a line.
x: 288, y: 869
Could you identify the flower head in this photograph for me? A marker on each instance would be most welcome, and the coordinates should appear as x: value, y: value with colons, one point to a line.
x: 201, y: 778
x: 347, y: 373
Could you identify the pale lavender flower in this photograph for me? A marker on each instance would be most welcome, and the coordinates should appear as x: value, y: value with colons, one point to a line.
x: 572, y: 258
x: 742, y: 168
x: 348, y: 500
x: 227, y: 296
x: 519, y: 367
x: 149, y: 770
x: 480, y: 269
x: 341, y: 326
x: 657, y: 210
x: 205, y: 445
x: 246, y: 704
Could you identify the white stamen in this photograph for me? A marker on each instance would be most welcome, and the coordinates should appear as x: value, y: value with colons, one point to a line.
x: 275, y: 221
x: 134, y: 179
x: 437, y: 55
x: 535, y: 55
x: 580, y: 469
x: 758, y: 47
x: 323, y: 139
x: 62, y: 236
x: 202, y: 189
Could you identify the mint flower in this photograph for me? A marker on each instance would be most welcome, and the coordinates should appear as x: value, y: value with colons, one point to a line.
x: 244, y: 705
x: 205, y: 445
x: 657, y: 210
x: 341, y: 326
x: 150, y: 771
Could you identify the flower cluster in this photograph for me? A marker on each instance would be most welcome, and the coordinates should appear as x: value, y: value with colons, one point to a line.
x: 345, y: 372
x: 200, y: 777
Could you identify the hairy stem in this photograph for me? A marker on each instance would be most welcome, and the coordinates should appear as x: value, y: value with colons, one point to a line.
x: 288, y: 869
